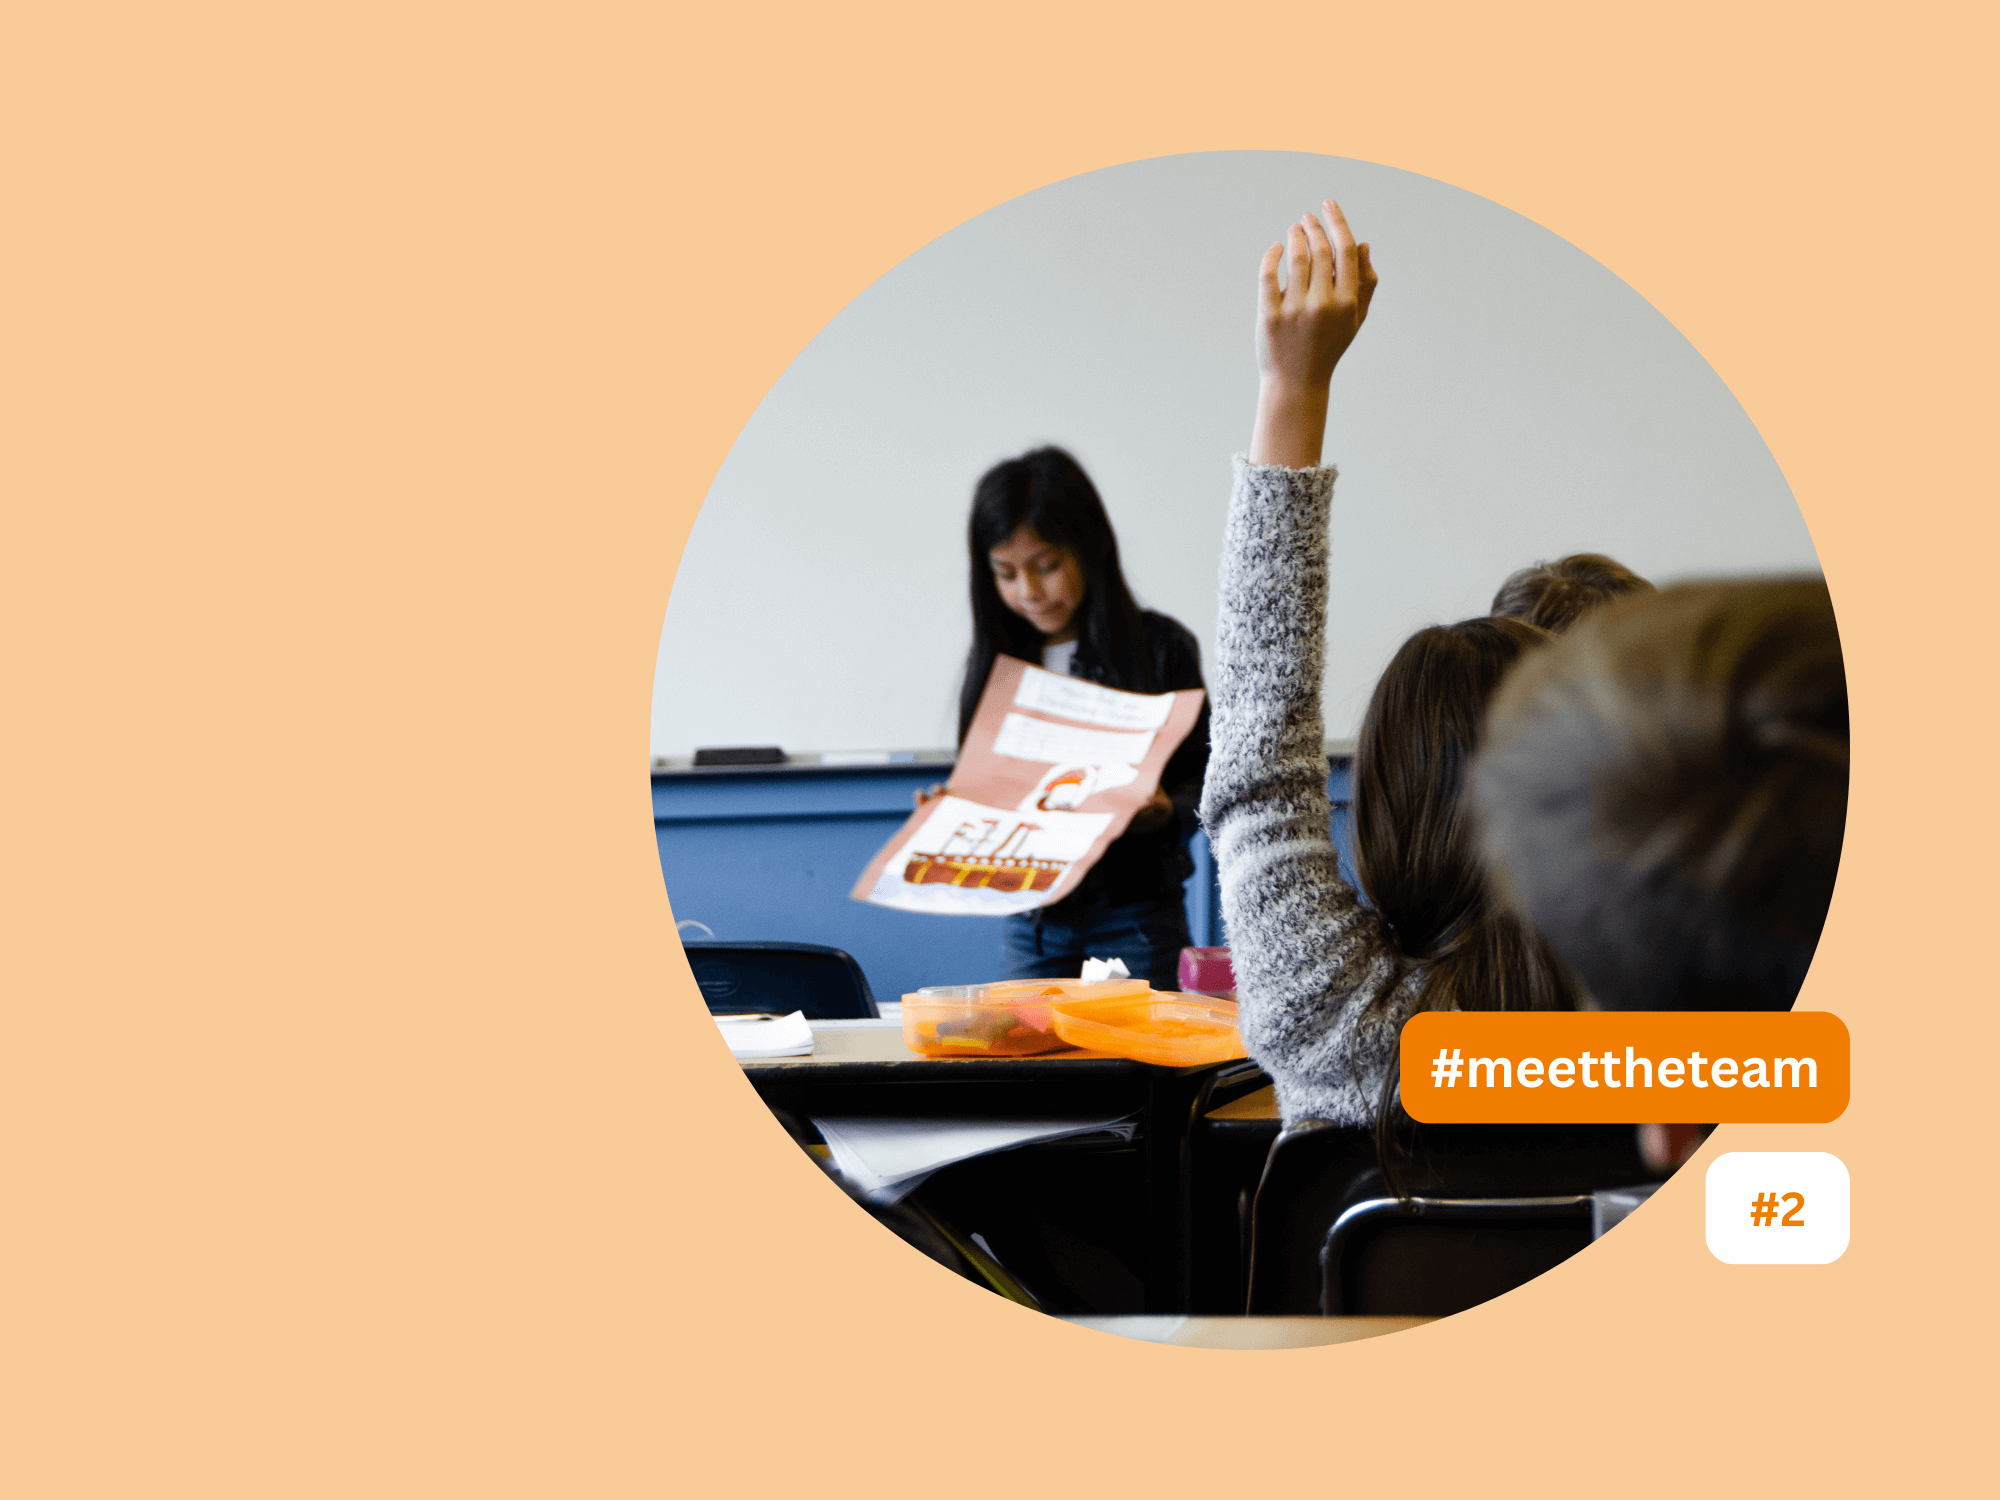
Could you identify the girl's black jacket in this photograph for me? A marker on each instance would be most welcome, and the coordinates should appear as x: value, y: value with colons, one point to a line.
x: 1151, y: 866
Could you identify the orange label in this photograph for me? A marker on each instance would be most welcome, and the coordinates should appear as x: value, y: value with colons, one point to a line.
x: 1624, y: 1067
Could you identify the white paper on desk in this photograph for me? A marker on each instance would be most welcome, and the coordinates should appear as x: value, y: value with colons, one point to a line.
x: 885, y: 1159
x: 767, y: 1036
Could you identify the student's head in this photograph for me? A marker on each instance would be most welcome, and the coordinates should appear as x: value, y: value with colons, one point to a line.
x: 1415, y: 836
x: 1045, y: 566
x: 1039, y: 581
x: 1556, y: 595
x: 1665, y: 793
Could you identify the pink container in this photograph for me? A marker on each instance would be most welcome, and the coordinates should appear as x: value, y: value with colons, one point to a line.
x: 1206, y: 971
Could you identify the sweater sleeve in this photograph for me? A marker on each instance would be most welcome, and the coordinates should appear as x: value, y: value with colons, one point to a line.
x: 1317, y: 980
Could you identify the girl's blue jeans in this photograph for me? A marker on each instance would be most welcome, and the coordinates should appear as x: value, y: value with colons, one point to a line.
x: 1149, y: 936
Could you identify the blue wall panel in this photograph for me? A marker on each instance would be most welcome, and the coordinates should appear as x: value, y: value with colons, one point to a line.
x: 771, y: 856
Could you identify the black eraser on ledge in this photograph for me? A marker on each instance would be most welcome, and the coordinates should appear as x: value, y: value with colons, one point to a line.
x: 741, y: 755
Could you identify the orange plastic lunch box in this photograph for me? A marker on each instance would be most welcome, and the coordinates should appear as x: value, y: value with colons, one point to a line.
x: 1010, y: 1018
x: 1023, y: 1017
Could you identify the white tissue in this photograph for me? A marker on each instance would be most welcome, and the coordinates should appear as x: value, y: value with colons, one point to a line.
x: 767, y: 1036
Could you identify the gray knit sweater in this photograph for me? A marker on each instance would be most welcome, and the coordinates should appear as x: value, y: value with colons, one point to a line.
x: 1316, y: 975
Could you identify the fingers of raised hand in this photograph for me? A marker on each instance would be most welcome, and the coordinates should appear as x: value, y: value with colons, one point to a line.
x: 1343, y: 237
x: 1269, y: 298
x: 1322, y: 258
x: 1299, y: 252
x: 1348, y: 272
x: 1367, y: 280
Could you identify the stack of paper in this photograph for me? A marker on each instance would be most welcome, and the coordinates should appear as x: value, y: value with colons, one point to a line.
x: 767, y: 1036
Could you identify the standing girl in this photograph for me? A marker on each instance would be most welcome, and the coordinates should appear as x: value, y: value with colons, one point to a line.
x: 1047, y: 588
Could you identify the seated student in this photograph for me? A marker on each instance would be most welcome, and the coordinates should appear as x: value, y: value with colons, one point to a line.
x: 1665, y: 793
x: 1324, y: 983
x: 1556, y: 595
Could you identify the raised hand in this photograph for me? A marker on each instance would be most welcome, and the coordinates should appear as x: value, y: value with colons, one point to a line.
x: 1303, y: 329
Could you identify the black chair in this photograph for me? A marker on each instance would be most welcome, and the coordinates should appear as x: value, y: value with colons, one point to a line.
x: 1224, y: 1160
x: 1415, y: 1255
x: 1429, y: 1257
x: 746, y: 978
x: 916, y: 1225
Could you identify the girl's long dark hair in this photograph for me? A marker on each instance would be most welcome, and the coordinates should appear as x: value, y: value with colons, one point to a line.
x: 1047, y: 492
x: 1416, y: 846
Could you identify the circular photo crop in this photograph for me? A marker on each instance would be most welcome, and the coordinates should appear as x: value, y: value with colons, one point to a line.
x: 1175, y: 629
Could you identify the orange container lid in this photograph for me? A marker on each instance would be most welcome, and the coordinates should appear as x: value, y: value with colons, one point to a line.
x: 1160, y: 1027
x: 1013, y: 991
x: 1029, y: 998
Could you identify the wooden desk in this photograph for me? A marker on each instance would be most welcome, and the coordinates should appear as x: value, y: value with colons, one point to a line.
x: 1249, y: 1333
x: 878, y: 1047
x: 1260, y: 1106
x: 1138, y: 1191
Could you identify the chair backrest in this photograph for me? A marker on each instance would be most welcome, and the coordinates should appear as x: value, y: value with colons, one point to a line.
x: 1316, y: 1172
x: 744, y: 978
x: 1431, y: 1257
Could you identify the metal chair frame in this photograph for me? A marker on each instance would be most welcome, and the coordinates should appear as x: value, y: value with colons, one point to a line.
x: 1362, y: 1216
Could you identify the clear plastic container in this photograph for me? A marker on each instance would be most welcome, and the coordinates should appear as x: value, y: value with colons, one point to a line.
x: 1010, y: 1018
x: 1169, y: 1030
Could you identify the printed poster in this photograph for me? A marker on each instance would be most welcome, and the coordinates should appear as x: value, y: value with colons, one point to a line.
x: 1052, y: 771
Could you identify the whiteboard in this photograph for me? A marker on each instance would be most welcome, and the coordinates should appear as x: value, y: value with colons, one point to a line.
x: 1510, y: 400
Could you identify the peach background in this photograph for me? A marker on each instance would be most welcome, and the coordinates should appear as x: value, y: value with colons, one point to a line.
x: 362, y: 1131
